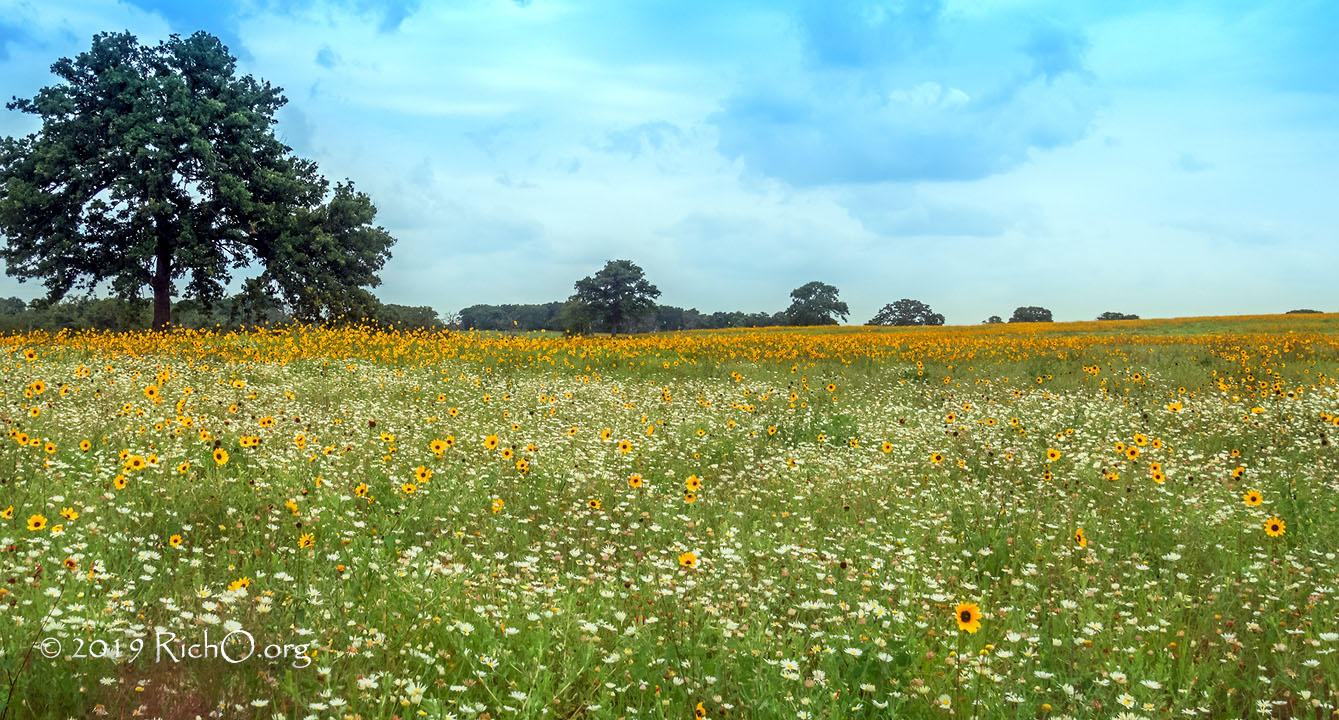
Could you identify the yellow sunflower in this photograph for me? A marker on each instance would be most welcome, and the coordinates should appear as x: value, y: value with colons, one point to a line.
x: 968, y: 616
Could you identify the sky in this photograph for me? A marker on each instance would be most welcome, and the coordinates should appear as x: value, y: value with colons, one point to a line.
x: 1165, y: 158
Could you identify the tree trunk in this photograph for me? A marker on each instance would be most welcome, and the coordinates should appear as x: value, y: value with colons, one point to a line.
x: 162, y: 286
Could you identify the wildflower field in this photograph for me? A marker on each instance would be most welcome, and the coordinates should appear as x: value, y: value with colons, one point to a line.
x: 1124, y: 519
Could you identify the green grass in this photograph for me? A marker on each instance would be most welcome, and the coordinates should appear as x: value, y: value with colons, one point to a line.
x: 827, y: 572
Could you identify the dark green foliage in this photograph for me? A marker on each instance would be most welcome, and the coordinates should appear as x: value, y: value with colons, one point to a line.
x: 992, y: 320
x: 907, y: 312
x: 156, y: 166
x: 1031, y: 313
x: 1109, y: 315
x: 616, y: 296
x: 816, y: 303
x: 1303, y: 311
x: 254, y: 305
x: 667, y: 318
x: 83, y: 313
x: 248, y: 308
x: 321, y: 258
x: 511, y: 317
x: 407, y: 317
x: 575, y: 318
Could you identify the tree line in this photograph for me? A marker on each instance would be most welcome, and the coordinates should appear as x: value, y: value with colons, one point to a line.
x: 619, y: 298
x: 233, y: 312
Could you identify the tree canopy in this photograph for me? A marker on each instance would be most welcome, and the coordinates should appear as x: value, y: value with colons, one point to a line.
x: 1112, y: 315
x: 816, y: 303
x: 612, y: 299
x: 1031, y: 313
x: 157, y: 165
x: 907, y: 312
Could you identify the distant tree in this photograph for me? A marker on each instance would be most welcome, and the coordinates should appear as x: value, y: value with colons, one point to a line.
x: 576, y: 318
x: 159, y: 164
x: 522, y: 317
x: 1031, y: 313
x: 719, y: 319
x: 537, y: 316
x: 668, y: 318
x: 617, y: 295
x: 482, y: 317
x: 80, y: 313
x: 1109, y: 315
x: 1303, y: 311
x: 816, y: 303
x: 254, y: 305
x: 907, y: 312
x: 109, y: 313
x: 406, y: 317
x: 992, y: 320
x: 12, y: 306
x: 757, y: 319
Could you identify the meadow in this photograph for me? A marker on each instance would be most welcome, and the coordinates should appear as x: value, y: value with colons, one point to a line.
x: 1087, y: 520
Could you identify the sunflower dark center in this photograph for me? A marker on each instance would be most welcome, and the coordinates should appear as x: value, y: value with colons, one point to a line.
x: 965, y: 616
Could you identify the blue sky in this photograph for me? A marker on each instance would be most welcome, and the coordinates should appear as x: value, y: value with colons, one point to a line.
x: 1160, y: 158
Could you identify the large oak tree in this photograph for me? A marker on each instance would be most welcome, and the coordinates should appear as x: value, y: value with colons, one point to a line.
x: 816, y: 303
x: 907, y: 312
x: 159, y: 164
x: 616, y: 296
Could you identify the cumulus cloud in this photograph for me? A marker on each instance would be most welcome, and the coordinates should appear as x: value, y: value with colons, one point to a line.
x: 646, y: 137
x: 860, y: 33
x: 897, y: 210
x: 389, y: 14
x: 876, y: 98
x: 1055, y: 50
x: 186, y: 18
x: 9, y: 34
x: 326, y: 57
x: 819, y: 135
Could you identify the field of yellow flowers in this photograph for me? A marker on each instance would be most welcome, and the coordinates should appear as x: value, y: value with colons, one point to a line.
x: 1105, y: 520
